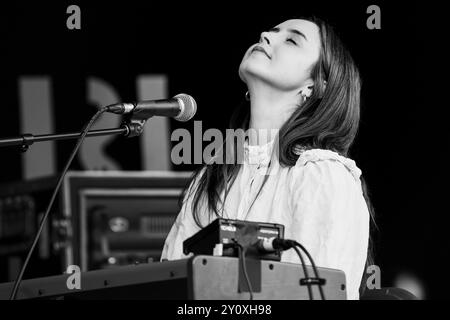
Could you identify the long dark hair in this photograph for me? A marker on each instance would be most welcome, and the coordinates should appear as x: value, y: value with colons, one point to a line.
x: 329, y: 119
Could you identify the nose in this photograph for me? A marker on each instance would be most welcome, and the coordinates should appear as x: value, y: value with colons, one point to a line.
x: 264, y: 37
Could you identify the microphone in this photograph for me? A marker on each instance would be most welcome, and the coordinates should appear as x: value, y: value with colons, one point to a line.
x: 182, y: 107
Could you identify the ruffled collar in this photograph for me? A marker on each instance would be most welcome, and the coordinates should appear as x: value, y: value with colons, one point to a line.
x: 258, y: 154
x: 314, y: 155
x: 262, y: 154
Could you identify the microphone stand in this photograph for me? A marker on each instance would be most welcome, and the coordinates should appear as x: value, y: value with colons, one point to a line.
x: 128, y: 129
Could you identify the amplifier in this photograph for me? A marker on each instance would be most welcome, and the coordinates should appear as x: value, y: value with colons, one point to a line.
x: 118, y: 218
x: 22, y: 205
x: 198, y: 277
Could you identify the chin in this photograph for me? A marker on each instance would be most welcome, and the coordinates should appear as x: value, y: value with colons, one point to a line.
x: 242, y: 74
x: 251, y: 69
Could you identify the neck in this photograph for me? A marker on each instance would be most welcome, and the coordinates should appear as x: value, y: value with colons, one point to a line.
x: 269, y: 110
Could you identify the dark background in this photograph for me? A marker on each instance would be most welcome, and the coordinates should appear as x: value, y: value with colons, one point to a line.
x: 199, y: 47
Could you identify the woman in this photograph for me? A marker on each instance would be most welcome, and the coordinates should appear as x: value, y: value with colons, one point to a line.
x: 303, y: 84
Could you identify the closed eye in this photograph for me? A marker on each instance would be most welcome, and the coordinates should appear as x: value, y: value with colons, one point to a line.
x: 291, y: 40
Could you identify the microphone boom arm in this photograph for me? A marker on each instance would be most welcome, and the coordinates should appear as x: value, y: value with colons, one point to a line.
x: 129, y: 128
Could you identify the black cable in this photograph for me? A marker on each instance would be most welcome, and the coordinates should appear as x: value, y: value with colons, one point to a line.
x: 242, y: 253
x: 316, y: 272
x: 52, y: 199
x: 285, y: 244
x: 305, y: 272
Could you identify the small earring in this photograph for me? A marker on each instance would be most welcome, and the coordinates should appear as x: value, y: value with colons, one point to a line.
x: 304, y: 97
x: 247, y: 96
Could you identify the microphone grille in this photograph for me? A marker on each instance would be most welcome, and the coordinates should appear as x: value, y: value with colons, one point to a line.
x: 188, y: 107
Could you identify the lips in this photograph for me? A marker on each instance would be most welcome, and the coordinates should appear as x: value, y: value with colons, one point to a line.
x: 261, y: 49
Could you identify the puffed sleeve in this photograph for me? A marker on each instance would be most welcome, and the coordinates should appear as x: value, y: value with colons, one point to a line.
x: 330, y: 216
x: 183, y: 227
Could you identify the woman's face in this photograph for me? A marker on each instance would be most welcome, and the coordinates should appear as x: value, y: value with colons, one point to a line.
x: 285, y: 55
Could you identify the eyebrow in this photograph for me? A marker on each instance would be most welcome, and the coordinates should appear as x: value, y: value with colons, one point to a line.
x: 276, y: 29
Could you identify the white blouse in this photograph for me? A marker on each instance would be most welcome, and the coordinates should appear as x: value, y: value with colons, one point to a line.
x: 319, y: 201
